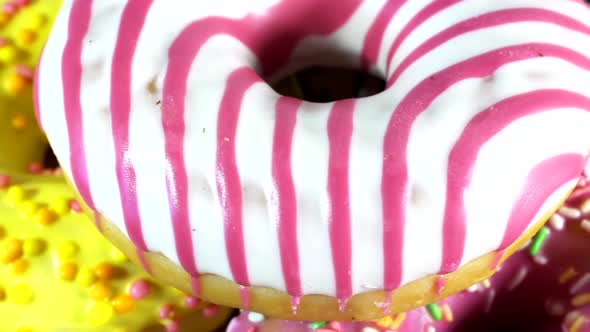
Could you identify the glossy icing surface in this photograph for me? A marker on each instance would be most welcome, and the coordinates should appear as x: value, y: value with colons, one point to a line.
x: 157, y: 111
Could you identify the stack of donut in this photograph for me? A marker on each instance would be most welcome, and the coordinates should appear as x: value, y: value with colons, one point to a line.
x: 162, y: 117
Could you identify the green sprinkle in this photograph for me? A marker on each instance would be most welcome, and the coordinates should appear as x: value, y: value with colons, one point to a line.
x: 434, y: 311
x: 317, y: 325
x: 538, y: 241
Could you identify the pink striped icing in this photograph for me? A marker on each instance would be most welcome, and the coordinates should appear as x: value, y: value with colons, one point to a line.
x: 71, y: 65
x: 284, y: 26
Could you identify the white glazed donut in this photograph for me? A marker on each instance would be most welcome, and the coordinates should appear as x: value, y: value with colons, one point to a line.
x: 158, y: 112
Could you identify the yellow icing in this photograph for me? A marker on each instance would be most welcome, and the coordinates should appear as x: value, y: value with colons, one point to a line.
x: 24, y: 33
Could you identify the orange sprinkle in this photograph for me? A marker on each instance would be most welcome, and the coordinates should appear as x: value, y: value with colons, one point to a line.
x: 4, y: 17
x: 104, y: 271
x: 122, y: 303
x: 19, y: 266
x: 567, y: 275
x: 581, y: 299
x: 385, y: 322
x: 25, y: 37
x: 44, y: 216
x: 18, y: 121
x: 11, y: 250
x: 14, y: 84
x: 447, y: 313
x: 67, y: 271
x: 100, y: 291
x: 577, y: 324
x: 398, y: 321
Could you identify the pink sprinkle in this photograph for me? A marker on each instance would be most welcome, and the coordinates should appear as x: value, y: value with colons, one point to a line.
x: 139, y: 289
x: 22, y: 3
x: 4, y: 181
x: 439, y: 285
x: 210, y: 311
x: 252, y: 329
x: 342, y: 304
x: 191, y: 302
x: 75, y: 206
x: 25, y: 72
x: 335, y: 325
x: 10, y: 8
x: 35, y: 168
x: 295, y: 300
x: 58, y: 172
x: 387, y: 303
x: 165, y: 311
x: 173, y: 326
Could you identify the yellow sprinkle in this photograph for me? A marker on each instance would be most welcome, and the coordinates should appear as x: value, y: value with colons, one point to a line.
x: 66, y: 250
x: 18, y: 120
x: 99, y: 291
x: 67, y: 271
x: 122, y: 303
x: 577, y: 324
x: 25, y: 37
x: 11, y: 250
x: 19, y: 266
x: 567, y: 275
x: 24, y: 329
x: 34, y: 21
x: 33, y: 247
x: 99, y: 313
x: 447, y: 313
x: 118, y: 255
x: 385, y: 322
x: 28, y: 208
x: 4, y: 17
x: 398, y: 321
x: 86, y: 277
x: 44, y: 216
x: 8, y: 54
x: 580, y: 300
x: 15, y: 195
x: 20, y: 294
x: 60, y: 206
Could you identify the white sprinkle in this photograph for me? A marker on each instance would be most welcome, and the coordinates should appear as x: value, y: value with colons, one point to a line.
x: 490, y: 301
x: 430, y: 328
x: 369, y: 329
x: 226, y: 139
x: 518, y: 278
x: 580, y: 284
x: 255, y: 317
x: 583, y: 182
x: 586, y: 225
x: 585, y: 206
x: 540, y: 259
x: 557, y: 222
x: 369, y: 287
x: 486, y: 283
x: 473, y: 288
x: 570, y: 212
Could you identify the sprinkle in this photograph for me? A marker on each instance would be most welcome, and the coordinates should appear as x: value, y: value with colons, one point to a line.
x: 577, y: 324
x: 486, y: 283
x: 518, y: 278
x: 166, y: 311
x: 429, y: 328
x: 173, y: 326
x: 34, y: 21
x: 295, y: 301
x: 369, y: 329
x: 581, y: 299
x: 15, y: 195
x: 490, y: 300
x: 473, y: 288
x: 4, y: 181
x: 398, y: 321
x: 66, y: 250
x: 385, y: 322
x: 19, y: 266
x: 18, y: 122
x: 22, y: 3
x: 99, y: 313
x: 585, y: 206
x: 139, y: 289
x: 118, y: 255
x: 211, y: 311
x: 9, y: 8
x: 11, y: 250
x: 67, y: 271
x: 13, y: 85
x: 75, y: 206
x: 99, y: 291
x: 191, y: 302
x: 255, y: 317
x: 4, y: 18
x: 122, y: 303
x: 25, y: 71
x: 447, y: 313
x: 86, y: 277
x: 2, y: 294
x: 317, y: 325
x: 7, y: 53
x: 538, y: 241
x: 342, y: 304
x: 104, y: 271
x: 557, y: 222
x: 567, y: 275
x: 28, y: 208
x: 33, y: 247
x: 25, y: 37
x: 434, y: 311
x: 570, y: 212
x: 439, y: 285
x: 540, y: 259
x: 20, y: 294
x: 35, y: 168
x: 585, y: 224
x: 60, y: 206
x: 44, y: 216
x: 580, y: 284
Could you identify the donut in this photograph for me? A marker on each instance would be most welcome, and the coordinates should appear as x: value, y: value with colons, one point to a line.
x: 24, y: 27
x: 58, y: 273
x: 543, y: 287
x: 162, y: 116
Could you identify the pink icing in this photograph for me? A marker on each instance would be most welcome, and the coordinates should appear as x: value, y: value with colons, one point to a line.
x: 283, y: 195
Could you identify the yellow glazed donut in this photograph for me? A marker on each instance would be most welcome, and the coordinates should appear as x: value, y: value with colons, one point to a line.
x: 24, y: 26
x: 163, y: 118
x: 58, y: 273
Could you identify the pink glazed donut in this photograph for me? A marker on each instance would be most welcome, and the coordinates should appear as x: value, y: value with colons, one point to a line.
x: 161, y: 115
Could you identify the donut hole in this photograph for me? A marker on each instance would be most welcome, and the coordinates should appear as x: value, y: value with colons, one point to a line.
x: 324, y: 84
